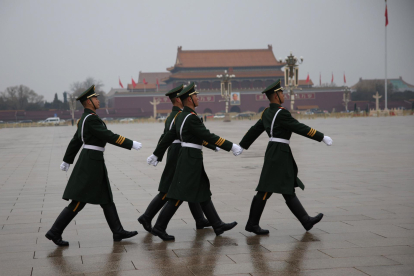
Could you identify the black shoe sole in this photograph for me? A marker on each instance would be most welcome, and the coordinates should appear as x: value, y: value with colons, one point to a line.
x: 58, y: 244
x: 143, y: 225
x: 164, y: 239
x: 309, y: 228
x: 127, y: 237
x: 258, y: 233
x: 221, y: 231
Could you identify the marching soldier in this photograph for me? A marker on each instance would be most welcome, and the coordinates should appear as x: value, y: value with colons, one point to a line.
x: 190, y: 182
x: 168, y: 174
x: 89, y: 181
x: 279, y: 173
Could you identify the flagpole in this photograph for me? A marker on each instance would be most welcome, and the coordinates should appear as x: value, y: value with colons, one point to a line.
x: 386, y: 82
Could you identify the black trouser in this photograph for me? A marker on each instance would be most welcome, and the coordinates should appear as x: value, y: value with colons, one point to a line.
x: 267, y: 195
x: 77, y: 206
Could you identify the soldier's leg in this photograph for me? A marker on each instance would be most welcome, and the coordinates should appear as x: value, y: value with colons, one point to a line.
x: 111, y: 215
x: 164, y: 218
x: 153, y: 208
x: 300, y: 213
x: 198, y: 215
x: 62, y: 221
x: 218, y: 225
x: 256, y: 210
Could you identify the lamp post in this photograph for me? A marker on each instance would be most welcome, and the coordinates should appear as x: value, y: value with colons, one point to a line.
x: 291, y: 75
x: 225, y: 92
x: 347, y: 97
x: 72, y: 106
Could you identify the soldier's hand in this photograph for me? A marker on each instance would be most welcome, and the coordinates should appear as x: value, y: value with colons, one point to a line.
x: 64, y: 166
x: 236, y: 149
x: 136, y: 145
x: 217, y: 149
x: 152, y: 160
x: 327, y: 140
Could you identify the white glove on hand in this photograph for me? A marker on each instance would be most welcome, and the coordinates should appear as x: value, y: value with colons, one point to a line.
x: 152, y: 160
x: 217, y: 149
x: 327, y: 140
x: 136, y: 145
x: 236, y: 149
x: 64, y: 166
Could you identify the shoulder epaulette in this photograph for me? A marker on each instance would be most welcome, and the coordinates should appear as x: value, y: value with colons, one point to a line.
x: 263, y: 112
x: 281, y: 107
x: 193, y: 113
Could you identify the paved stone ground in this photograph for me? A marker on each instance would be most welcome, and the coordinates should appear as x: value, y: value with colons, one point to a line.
x: 363, y: 184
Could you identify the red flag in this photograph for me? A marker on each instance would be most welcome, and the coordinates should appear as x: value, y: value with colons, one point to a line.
x: 320, y: 79
x: 386, y: 14
x: 133, y: 83
x: 307, y: 79
x: 120, y: 83
x: 144, y: 81
x: 158, y: 84
x: 332, y: 78
x: 344, y: 78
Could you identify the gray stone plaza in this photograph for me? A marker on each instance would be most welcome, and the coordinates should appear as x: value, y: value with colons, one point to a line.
x: 364, y: 185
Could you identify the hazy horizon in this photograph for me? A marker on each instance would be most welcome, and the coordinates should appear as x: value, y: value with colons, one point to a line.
x: 48, y: 45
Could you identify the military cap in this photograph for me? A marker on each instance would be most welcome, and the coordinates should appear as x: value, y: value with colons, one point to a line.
x: 88, y: 93
x: 187, y: 91
x: 175, y: 91
x: 274, y: 87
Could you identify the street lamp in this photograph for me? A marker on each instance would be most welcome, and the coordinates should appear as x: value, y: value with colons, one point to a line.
x: 225, y: 92
x: 347, y: 97
x: 72, y: 106
x: 291, y: 75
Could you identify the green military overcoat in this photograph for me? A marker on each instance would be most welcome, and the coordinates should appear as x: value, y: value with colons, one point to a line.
x: 190, y: 182
x: 172, y: 155
x: 279, y: 173
x: 89, y: 179
x: 173, y: 152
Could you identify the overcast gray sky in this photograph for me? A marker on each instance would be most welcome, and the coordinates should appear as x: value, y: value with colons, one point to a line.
x: 47, y: 45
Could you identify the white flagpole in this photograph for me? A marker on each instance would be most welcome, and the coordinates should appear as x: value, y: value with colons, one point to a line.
x: 386, y: 81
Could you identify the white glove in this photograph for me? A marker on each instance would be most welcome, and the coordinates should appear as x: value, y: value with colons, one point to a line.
x: 136, y: 145
x: 64, y: 166
x: 327, y: 140
x: 236, y: 149
x: 217, y: 149
x: 152, y: 160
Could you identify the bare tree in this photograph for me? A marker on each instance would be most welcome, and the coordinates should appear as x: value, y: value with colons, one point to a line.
x: 79, y: 86
x: 20, y: 97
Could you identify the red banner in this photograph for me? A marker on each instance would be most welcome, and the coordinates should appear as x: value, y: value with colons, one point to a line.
x: 305, y: 96
x: 201, y: 99
x: 298, y: 96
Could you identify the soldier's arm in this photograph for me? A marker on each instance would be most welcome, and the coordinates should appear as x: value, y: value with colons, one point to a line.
x: 73, y: 148
x: 165, y: 131
x: 199, y: 130
x: 252, y: 134
x: 286, y: 120
x: 98, y: 130
x: 209, y: 146
x: 166, y: 141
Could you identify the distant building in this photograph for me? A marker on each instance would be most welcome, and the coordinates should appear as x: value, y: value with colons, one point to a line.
x: 254, y: 69
x: 399, y: 85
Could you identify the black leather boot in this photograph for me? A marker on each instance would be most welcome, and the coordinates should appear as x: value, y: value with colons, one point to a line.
x: 163, y: 219
x: 219, y: 226
x: 297, y: 209
x: 256, y: 210
x: 198, y: 215
x: 153, y: 208
x: 62, y: 221
x: 114, y: 223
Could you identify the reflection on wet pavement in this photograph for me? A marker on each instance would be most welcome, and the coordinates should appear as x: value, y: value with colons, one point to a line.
x: 363, y: 185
